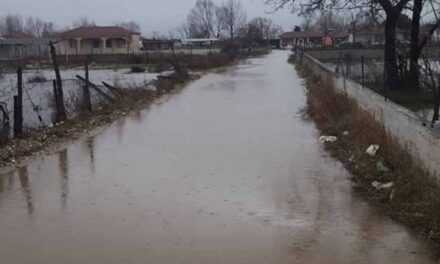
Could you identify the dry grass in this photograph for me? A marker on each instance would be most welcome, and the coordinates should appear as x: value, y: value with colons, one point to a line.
x: 415, y: 197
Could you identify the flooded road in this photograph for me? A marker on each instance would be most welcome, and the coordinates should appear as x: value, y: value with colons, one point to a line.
x: 225, y: 171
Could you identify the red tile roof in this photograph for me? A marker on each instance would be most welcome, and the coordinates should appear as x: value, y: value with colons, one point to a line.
x: 97, y: 32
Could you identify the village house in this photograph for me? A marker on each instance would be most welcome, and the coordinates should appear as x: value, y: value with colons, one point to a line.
x: 98, y: 40
x: 312, y: 39
x: 373, y: 36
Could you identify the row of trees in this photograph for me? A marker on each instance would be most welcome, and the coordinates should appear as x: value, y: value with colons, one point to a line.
x: 389, y: 12
x: 228, y: 20
x: 34, y: 26
x: 12, y: 24
x: 207, y: 20
x: 86, y: 22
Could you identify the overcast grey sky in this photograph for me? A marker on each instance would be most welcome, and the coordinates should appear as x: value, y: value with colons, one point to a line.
x: 152, y: 15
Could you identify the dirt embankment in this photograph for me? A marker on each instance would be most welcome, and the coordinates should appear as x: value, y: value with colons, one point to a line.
x: 37, y: 140
x: 383, y: 171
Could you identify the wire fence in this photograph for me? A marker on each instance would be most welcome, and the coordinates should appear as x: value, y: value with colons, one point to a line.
x: 39, y: 107
x: 421, y: 97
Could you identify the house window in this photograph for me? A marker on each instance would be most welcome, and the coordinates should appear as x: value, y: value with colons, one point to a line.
x: 109, y: 43
x: 96, y: 43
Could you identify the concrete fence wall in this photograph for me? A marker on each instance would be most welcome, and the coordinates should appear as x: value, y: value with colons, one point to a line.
x: 334, y: 54
x: 407, y: 127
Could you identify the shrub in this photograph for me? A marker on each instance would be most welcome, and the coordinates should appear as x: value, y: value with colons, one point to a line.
x: 37, y: 78
x: 137, y: 69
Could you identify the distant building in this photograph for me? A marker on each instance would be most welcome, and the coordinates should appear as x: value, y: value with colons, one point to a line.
x: 23, y: 46
x: 312, y: 39
x: 275, y: 43
x: 373, y: 36
x: 200, y: 42
x: 159, y: 44
x: 98, y: 40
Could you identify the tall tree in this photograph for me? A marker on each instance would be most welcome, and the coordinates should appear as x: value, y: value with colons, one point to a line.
x: 234, y: 16
x: 130, y: 25
x: 420, y: 39
x: 202, y: 18
x: 83, y: 22
x: 11, y: 24
x: 392, y: 10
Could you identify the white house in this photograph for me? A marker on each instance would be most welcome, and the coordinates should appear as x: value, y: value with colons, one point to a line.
x: 98, y: 40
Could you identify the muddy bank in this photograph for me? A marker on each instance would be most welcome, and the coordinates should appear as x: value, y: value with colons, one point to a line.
x: 129, y: 100
x: 383, y: 171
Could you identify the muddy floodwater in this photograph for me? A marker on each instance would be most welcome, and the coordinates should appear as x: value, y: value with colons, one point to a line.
x: 224, y: 171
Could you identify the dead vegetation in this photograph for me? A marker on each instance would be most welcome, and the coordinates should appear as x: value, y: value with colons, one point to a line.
x: 413, y: 197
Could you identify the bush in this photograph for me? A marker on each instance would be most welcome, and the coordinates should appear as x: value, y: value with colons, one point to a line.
x: 231, y: 48
x: 137, y: 69
x: 37, y: 78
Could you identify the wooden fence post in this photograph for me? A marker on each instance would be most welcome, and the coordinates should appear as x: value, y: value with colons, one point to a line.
x: 61, y: 110
x: 18, y: 104
x: 87, y: 99
x: 55, y: 97
x: 363, y: 70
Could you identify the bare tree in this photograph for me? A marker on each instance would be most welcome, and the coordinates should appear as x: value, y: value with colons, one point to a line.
x: 130, y: 25
x: 48, y: 29
x: 328, y: 21
x: 183, y: 31
x: 219, y: 21
x: 391, y: 8
x: 266, y: 27
x: 307, y: 23
x: 202, y: 18
x: 11, y: 24
x: 420, y: 39
x: 34, y: 26
x: 233, y: 16
x: 83, y: 22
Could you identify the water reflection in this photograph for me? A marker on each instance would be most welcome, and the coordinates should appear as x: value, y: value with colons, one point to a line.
x: 120, y: 125
x: 90, y: 144
x: 26, y: 188
x: 64, y: 173
x: 204, y: 178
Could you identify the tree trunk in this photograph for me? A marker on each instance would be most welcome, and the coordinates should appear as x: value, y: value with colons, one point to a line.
x: 231, y: 31
x: 392, y: 80
x: 61, y: 115
x: 413, y: 80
